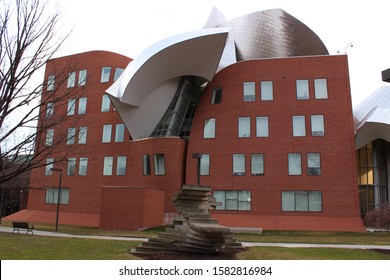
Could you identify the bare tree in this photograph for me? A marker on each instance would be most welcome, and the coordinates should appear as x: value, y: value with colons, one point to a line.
x: 28, y: 39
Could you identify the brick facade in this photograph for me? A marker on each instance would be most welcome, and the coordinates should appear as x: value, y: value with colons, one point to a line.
x: 148, y: 196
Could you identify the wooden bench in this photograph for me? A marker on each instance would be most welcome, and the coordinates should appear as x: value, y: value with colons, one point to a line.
x: 22, y: 225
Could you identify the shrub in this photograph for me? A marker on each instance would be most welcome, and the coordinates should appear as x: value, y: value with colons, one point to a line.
x: 378, y: 218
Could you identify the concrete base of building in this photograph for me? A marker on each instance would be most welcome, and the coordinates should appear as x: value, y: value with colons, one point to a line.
x: 309, y: 223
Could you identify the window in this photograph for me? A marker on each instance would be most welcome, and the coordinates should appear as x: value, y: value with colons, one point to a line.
x: 52, y: 196
x: 83, y: 166
x: 313, y: 164
x: 120, y: 132
x: 159, y: 164
x: 146, y: 165
x: 82, y: 106
x: 257, y: 164
x: 50, y: 82
x: 216, y: 98
x: 244, y: 127
x: 205, y: 165
x: 83, y: 131
x: 320, y: 89
x: 121, y: 165
x: 107, y: 166
x: 105, y: 103
x: 118, y: 73
x: 107, y: 133
x: 294, y: 164
x: 49, y: 137
x: 71, y: 136
x: 49, y: 166
x: 233, y: 200
x: 267, y: 91
x: 299, y: 127
x: 262, y: 129
x: 238, y: 164
x: 82, y: 77
x: 249, y: 91
x: 302, y: 201
x: 71, y: 80
x: 105, y: 77
x: 209, y: 128
x: 317, y: 125
x: 302, y: 89
x: 71, y: 107
x: 49, y: 109
x: 71, y: 168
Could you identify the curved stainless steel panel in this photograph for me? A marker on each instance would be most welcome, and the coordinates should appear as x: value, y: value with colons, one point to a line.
x: 273, y: 33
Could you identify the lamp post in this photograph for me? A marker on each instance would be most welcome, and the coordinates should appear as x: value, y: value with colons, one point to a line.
x: 349, y: 45
x: 59, y: 194
x: 198, y: 157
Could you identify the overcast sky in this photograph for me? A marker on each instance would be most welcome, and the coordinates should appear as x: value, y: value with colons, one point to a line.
x: 129, y: 26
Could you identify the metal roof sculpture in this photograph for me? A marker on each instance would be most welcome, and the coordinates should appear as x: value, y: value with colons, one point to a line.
x: 372, y: 118
x: 145, y: 91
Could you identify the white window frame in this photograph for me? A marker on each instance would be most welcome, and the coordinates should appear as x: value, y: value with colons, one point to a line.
x: 51, y: 82
x: 49, y: 165
x: 317, y: 125
x: 159, y: 164
x: 71, y: 167
x: 146, y: 170
x: 233, y: 200
x: 302, y: 89
x: 82, y: 77
x: 83, y: 133
x: 119, y: 132
x: 262, y: 126
x: 71, y: 107
x: 71, y: 79
x: 299, y: 126
x: 294, y: 164
x: 249, y: 91
x: 266, y: 91
x: 82, y: 106
x: 320, y: 89
x: 216, y: 97
x: 118, y: 72
x: 257, y: 164
x: 49, y: 109
x: 121, y: 162
x: 108, y: 164
x: 205, y: 165
x: 107, y: 132
x: 244, y: 127
x: 106, y: 73
x: 51, y: 196
x: 313, y: 164
x: 49, y: 137
x: 83, y: 166
x: 106, y: 103
x: 71, y: 136
x: 209, y: 128
x: 239, y: 167
x: 302, y: 201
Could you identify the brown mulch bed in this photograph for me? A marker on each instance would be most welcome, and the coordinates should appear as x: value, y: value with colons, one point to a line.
x: 224, y: 254
x: 382, y: 251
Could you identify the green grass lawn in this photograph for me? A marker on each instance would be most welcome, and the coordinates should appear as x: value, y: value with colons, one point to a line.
x: 22, y: 246
x: 279, y: 253
x: 29, y: 247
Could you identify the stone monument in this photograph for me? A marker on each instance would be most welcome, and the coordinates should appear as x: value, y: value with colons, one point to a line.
x: 193, y: 231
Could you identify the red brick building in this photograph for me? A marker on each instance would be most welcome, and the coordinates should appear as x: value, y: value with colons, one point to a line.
x: 278, y: 159
x: 273, y: 125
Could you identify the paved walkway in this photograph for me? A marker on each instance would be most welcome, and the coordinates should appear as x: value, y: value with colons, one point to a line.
x: 247, y: 244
